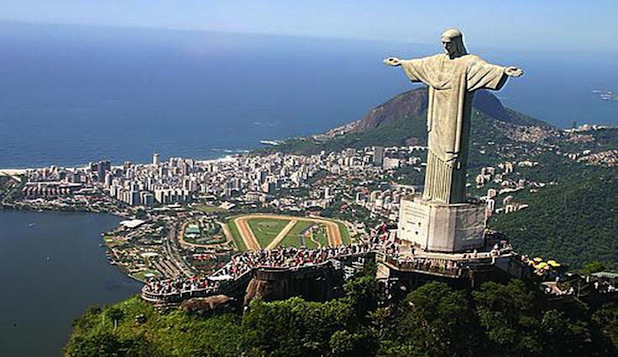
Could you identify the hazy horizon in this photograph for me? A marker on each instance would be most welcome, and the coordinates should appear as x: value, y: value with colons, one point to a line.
x: 552, y: 24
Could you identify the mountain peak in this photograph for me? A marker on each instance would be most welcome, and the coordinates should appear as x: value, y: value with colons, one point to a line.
x: 414, y: 102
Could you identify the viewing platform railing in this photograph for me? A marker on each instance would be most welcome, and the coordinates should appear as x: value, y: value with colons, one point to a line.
x: 221, y: 286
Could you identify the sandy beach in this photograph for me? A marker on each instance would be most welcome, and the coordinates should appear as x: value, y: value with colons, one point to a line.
x: 13, y: 172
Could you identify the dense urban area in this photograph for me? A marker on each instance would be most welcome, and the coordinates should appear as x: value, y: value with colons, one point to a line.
x: 361, y: 187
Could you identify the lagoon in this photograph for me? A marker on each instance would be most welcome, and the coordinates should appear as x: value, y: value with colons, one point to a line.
x: 51, y: 269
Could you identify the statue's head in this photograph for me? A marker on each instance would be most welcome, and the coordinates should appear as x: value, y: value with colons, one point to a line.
x: 452, y: 40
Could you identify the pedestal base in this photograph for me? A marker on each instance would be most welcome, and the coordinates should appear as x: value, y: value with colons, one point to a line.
x: 440, y: 227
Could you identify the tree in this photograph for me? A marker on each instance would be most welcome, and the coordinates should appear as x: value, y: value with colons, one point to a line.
x: 141, y: 214
x: 115, y: 314
x: 564, y: 337
x: 361, y: 294
x: 94, y: 344
x: 593, y: 267
x: 510, y: 318
x: 606, y: 320
x: 438, y: 320
x: 296, y: 327
x: 345, y: 343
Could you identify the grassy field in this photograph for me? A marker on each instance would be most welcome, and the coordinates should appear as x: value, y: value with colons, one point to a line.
x: 208, y: 209
x: 147, y: 274
x: 292, y: 239
x: 266, y: 229
x: 240, y: 244
x: 320, y: 237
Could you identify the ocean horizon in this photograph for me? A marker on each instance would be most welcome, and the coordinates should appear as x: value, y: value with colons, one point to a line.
x: 76, y: 94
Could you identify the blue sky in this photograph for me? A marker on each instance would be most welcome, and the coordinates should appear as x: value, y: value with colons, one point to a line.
x: 548, y: 24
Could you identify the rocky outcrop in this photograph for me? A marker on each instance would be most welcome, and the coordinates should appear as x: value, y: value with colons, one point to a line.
x: 258, y: 289
x: 205, y: 304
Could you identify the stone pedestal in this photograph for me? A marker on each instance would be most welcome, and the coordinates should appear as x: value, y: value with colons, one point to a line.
x: 440, y: 227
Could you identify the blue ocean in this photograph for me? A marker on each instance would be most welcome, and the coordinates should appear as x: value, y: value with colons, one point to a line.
x: 70, y: 95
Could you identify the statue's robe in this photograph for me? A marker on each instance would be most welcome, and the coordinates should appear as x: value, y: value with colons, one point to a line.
x: 452, y: 83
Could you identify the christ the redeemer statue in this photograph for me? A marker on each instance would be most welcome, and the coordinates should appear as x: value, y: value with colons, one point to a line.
x: 452, y: 77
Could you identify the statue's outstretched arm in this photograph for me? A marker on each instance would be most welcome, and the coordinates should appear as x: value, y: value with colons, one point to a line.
x: 392, y: 61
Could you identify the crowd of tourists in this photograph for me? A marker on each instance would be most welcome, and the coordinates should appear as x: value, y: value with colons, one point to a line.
x: 286, y: 258
x: 180, y: 285
x: 289, y: 258
x: 580, y: 285
x: 604, y: 287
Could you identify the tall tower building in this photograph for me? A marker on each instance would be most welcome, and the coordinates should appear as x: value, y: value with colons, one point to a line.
x: 155, y: 159
x: 378, y: 155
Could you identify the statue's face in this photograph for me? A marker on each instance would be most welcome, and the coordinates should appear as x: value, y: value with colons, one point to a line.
x: 449, y: 48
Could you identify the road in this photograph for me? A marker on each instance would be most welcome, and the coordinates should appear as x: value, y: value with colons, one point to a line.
x: 171, y: 248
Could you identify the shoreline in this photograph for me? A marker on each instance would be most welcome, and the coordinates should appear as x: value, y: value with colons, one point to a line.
x: 8, y: 207
x: 24, y: 170
x: 14, y: 172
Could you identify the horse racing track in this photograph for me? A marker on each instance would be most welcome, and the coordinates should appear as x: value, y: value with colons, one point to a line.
x: 263, y: 231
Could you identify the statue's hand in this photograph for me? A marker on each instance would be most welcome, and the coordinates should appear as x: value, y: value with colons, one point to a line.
x: 452, y: 157
x: 513, y: 71
x: 392, y: 61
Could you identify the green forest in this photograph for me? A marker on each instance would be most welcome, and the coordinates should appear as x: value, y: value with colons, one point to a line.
x: 573, y: 222
x: 433, y: 320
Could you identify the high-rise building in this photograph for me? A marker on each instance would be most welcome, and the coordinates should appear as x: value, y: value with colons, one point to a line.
x: 349, y: 152
x: 134, y: 198
x: 147, y: 199
x: 108, y: 179
x: 155, y: 159
x: 491, y: 207
x: 390, y: 163
x: 378, y: 155
x: 269, y: 187
x: 100, y: 168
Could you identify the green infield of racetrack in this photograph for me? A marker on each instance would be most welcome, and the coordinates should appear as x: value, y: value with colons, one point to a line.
x: 266, y: 229
x: 293, y: 239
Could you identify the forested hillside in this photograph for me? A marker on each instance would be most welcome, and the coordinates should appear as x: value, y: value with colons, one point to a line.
x: 433, y: 320
x: 574, y: 222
